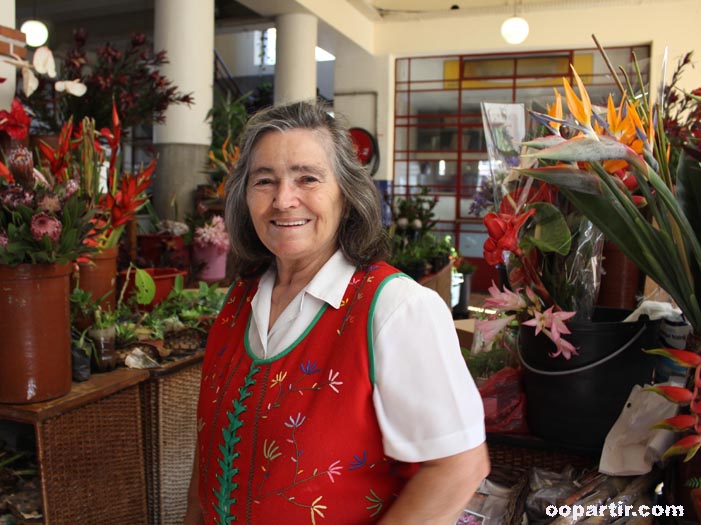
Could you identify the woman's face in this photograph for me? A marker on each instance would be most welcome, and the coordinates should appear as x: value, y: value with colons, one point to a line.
x: 293, y: 197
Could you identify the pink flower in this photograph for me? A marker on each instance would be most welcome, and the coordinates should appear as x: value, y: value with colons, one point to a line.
x: 71, y: 187
x: 552, y: 324
x: 551, y: 320
x: 44, y: 225
x: 504, y: 301
x: 4, y: 241
x: 213, y: 234
x: 49, y: 203
x: 564, y: 347
x: 490, y: 328
x: 13, y: 196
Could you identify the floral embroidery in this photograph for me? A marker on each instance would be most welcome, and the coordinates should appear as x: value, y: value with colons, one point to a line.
x: 357, y: 283
x: 309, y: 368
x: 376, y: 503
x: 271, y: 451
x: 332, y: 380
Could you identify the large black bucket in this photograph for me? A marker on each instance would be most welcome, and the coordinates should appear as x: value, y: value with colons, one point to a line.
x: 575, y: 402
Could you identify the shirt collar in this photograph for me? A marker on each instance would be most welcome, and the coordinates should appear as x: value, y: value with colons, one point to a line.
x: 328, y: 285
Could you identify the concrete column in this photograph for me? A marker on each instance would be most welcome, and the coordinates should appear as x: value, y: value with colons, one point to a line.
x: 295, y: 62
x: 8, y: 72
x: 185, y: 30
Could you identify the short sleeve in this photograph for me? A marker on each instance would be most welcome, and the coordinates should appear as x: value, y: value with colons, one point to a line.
x: 426, y: 402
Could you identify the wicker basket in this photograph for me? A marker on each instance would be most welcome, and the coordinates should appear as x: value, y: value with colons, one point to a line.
x: 90, y: 451
x: 169, y: 400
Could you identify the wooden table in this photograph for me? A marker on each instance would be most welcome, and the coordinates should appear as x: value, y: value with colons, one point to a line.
x: 90, y: 451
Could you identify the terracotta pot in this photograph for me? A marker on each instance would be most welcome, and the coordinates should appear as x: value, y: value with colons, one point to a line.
x: 35, y: 345
x: 209, y: 262
x: 99, y: 277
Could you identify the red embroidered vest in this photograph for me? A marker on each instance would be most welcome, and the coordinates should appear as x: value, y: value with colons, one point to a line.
x: 294, y: 439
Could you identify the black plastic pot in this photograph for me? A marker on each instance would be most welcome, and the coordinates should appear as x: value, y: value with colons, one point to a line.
x: 575, y: 402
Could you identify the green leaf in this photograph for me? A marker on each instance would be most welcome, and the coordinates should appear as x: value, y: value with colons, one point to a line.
x: 689, y: 197
x: 551, y: 233
x: 145, y: 287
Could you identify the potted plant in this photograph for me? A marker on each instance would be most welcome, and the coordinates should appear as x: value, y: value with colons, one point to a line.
x: 129, y: 78
x: 103, y: 336
x: 210, y: 246
x: 46, y: 222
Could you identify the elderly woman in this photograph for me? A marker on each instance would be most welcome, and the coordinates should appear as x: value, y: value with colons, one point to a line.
x: 333, y: 389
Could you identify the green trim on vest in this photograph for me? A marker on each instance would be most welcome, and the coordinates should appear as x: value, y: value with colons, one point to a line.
x: 287, y: 350
x: 226, y: 463
x: 371, y: 317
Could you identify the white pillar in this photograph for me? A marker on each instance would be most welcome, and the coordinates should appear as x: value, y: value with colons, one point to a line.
x: 185, y: 30
x: 295, y: 62
x: 8, y: 72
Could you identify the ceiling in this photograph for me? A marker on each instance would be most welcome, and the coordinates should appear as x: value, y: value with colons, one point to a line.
x: 112, y: 19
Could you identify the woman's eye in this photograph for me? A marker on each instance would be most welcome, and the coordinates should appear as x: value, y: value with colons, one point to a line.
x: 309, y: 179
x: 262, y: 182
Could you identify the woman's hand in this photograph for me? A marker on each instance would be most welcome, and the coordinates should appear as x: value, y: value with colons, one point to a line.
x: 440, y: 489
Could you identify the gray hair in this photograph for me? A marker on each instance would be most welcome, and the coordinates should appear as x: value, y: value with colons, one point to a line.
x: 361, y: 236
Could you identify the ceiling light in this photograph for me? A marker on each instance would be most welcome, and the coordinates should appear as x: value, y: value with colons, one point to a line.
x: 514, y: 30
x: 36, y: 32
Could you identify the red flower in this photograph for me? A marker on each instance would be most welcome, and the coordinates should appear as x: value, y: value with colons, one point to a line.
x: 503, y: 234
x: 15, y: 122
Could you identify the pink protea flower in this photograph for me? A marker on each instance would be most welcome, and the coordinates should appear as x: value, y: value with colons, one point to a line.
x: 71, y: 187
x: 44, y: 225
x: 21, y: 165
x: 4, y: 240
x: 49, y: 203
x: 13, y: 196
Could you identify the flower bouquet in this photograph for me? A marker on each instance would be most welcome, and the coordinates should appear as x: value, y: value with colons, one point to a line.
x: 615, y: 170
x: 551, y: 252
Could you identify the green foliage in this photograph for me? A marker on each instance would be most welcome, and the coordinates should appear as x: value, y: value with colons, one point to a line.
x: 227, y: 118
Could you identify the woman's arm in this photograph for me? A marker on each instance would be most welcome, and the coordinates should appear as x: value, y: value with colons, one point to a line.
x: 193, y: 516
x: 440, y: 489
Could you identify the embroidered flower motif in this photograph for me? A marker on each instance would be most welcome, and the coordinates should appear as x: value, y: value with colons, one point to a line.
x: 271, y: 450
x: 358, y: 461
x: 316, y: 509
x: 334, y: 470
x: 332, y: 380
x: 309, y: 368
x: 278, y: 379
x: 295, y: 422
x: 376, y: 501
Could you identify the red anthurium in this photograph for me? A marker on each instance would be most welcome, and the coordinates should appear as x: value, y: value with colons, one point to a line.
x: 676, y: 394
x: 677, y: 423
x: 687, y: 445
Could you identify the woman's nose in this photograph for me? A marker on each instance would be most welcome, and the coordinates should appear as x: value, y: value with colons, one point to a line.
x: 285, y: 196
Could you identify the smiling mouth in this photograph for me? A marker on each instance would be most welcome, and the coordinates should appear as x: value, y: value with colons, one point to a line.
x: 288, y: 224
